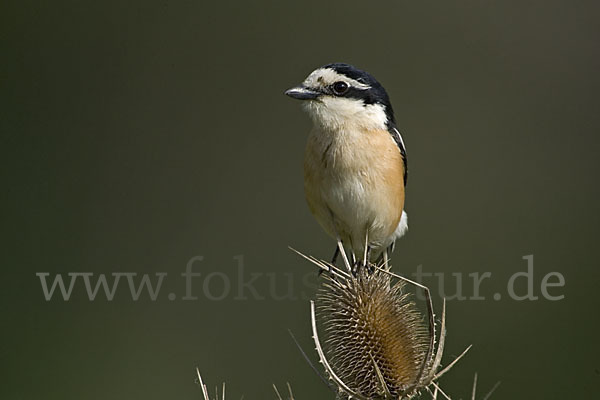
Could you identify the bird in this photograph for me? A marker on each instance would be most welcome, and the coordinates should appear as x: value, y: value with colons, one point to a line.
x: 355, y: 164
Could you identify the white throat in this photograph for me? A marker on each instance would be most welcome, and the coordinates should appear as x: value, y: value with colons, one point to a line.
x: 339, y: 113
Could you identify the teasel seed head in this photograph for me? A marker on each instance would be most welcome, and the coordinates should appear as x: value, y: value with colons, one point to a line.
x: 373, y: 331
x: 376, y: 343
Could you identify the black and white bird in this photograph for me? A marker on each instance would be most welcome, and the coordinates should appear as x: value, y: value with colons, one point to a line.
x: 355, y: 165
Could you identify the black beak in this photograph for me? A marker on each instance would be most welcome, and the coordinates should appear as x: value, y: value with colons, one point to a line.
x: 302, y: 93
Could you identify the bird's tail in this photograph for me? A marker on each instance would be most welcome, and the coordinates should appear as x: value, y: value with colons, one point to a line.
x: 402, y: 226
x: 400, y: 230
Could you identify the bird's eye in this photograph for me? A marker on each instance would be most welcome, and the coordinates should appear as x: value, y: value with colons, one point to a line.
x: 340, y: 88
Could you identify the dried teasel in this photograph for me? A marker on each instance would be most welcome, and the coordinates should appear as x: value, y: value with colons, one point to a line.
x: 377, y: 344
x: 372, y: 328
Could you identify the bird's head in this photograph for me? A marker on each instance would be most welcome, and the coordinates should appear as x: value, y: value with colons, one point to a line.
x: 339, y: 96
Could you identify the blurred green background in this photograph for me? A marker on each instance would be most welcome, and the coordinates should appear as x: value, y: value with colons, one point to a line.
x: 136, y: 135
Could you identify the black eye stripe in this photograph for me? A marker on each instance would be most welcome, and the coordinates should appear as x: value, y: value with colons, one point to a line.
x: 354, y: 93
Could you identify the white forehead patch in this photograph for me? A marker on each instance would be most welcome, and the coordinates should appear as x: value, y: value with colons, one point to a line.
x: 323, y: 77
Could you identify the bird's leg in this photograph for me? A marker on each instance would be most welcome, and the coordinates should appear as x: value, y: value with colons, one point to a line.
x: 336, y: 253
x: 368, y: 257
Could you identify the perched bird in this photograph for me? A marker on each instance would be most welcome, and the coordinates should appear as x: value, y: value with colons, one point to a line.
x: 355, y: 165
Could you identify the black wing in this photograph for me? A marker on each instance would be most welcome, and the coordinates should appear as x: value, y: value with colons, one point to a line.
x: 398, y: 139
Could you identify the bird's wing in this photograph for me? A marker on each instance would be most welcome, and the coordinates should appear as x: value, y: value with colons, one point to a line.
x: 398, y: 139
